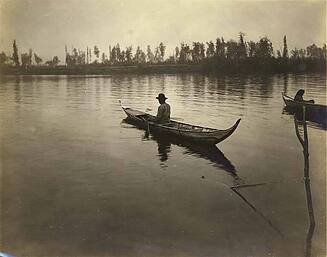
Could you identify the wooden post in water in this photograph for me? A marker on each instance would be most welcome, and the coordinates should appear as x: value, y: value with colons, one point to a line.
x: 305, y: 144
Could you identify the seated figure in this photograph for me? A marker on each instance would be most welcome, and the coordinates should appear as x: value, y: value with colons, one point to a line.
x: 299, y: 97
x: 163, y: 115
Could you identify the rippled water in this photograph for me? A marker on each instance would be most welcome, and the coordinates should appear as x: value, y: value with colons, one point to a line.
x: 78, y: 181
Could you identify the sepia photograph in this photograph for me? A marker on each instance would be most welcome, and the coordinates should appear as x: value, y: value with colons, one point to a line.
x: 163, y: 128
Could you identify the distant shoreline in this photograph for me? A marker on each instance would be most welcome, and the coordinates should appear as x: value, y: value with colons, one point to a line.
x: 100, y: 69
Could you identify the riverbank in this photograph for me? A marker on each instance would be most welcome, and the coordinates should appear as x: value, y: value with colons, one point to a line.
x: 102, y: 69
x: 207, y: 67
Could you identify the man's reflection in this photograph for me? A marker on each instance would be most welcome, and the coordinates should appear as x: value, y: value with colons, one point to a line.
x: 208, y: 152
x: 163, y: 148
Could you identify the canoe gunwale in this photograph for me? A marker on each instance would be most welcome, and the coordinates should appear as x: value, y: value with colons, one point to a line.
x: 213, y: 136
x: 290, y: 102
x: 212, y: 130
x: 184, y: 130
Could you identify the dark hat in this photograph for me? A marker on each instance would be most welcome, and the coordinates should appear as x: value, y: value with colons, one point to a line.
x: 161, y: 96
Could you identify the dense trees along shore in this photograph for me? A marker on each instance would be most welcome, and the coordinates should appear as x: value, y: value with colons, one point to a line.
x: 211, y: 57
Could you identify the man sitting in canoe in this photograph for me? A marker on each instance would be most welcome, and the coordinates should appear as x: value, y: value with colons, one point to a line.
x: 299, y: 97
x: 163, y: 115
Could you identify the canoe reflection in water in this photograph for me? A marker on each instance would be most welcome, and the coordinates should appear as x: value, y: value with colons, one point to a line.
x: 312, y: 121
x: 205, y: 151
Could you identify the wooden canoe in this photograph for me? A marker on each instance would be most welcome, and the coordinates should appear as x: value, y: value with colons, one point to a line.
x: 290, y: 102
x: 314, y: 112
x: 186, y: 131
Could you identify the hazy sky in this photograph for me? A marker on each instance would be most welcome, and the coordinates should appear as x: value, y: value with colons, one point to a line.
x: 47, y: 26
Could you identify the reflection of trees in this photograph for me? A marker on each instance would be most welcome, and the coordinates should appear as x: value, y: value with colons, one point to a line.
x: 17, y: 91
x: 199, y: 84
x: 285, y: 82
x: 162, y: 82
x: 264, y: 86
x: 184, y: 85
x: 183, y: 79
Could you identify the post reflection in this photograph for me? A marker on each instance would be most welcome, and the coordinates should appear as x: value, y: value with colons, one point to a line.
x: 312, y: 223
x: 285, y: 82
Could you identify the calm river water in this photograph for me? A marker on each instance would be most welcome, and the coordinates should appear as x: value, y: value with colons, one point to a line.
x: 77, y: 181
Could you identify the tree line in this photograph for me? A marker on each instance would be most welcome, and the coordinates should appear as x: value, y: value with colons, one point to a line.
x: 219, y: 54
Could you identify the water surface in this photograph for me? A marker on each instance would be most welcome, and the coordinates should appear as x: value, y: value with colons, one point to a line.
x: 78, y: 181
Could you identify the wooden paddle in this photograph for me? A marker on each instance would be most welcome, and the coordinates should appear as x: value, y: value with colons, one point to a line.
x: 146, y: 122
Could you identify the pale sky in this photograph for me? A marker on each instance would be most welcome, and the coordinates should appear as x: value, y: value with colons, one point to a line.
x: 47, y: 26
